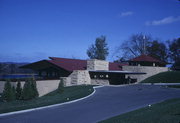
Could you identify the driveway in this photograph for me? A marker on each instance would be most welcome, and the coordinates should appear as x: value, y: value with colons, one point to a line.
x: 105, y: 103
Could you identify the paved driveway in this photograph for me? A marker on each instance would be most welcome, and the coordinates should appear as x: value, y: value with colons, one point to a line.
x: 105, y: 103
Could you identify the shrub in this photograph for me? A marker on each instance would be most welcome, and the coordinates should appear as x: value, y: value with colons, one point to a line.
x: 8, y: 92
x: 13, y: 93
x: 61, y: 86
x: 18, y: 91
x: 34, y: 88
x: 29, y: 90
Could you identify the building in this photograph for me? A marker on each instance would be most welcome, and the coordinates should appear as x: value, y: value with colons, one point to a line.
x: 147, y: 64
x: 93, y: 71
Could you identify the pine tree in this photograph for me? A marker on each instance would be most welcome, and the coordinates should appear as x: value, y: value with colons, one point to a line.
x: 13, y: 93
x: 99, y: 50
x: 61, y: 86
x: 27, y: 90
x: 7, y: 92
x: 34, y: 89
x: 18, y: 91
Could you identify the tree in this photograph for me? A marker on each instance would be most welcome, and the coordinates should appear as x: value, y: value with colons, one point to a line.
x: 174, y: 52
x: 18, y: 91
x: 29, y: 90
x: 13, y: 93
x: 99, y: 50
x: 7, y: 94
x: 34, y: 88
x: 136, y: 45
x: 61, y: 86
x: 139, y: 44
x: 158, y: 50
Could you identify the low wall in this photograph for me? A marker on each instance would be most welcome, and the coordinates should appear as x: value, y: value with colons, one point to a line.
x: 99, y: 82
x: 149, y: 70
x: 43, y: 86
x: 67, y: 81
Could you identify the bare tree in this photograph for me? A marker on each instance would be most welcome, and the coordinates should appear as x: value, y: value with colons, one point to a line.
x: 139, y: 44
x: 136, y: 45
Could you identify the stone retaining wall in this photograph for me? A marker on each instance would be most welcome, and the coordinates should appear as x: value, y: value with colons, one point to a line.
x: 99, y: 82
x: 149, y: 70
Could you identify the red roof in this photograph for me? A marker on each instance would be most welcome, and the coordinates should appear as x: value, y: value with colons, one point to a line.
x: 115, y: 66
x: 76, y: 64
x: 68, y: 64
x: 145, y: 58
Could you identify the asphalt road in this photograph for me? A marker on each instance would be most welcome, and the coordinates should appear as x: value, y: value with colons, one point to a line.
x: 105, y: 103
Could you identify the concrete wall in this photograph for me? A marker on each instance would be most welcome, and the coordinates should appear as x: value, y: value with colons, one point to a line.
x: 43, y: 86
x: 99, y: 82
x: 149, y: 70
x: 46, y: 86
x: 94, y: 64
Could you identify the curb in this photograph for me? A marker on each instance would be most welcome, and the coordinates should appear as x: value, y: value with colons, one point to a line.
x: 121, y: 85
x: 50, y: 106
x: 160, y: 83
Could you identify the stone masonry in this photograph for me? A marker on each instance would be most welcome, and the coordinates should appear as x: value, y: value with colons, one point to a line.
x: 79, y: 77
x: 94, y: 64
x: 149, y: 70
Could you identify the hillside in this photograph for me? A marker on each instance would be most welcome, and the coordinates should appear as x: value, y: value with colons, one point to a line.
x: 12, y: 68
x: 164, y: 77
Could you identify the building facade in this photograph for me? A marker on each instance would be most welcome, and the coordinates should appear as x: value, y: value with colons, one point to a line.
x: 97, y: 72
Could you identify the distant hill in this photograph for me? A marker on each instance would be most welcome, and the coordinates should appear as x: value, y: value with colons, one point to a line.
x: 13, y: 68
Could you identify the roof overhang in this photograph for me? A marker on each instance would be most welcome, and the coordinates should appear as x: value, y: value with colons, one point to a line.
x: 116, y: 72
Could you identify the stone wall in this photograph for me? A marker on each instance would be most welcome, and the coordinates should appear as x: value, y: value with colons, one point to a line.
x: 94, y: 64
x: 79, y: 77
x: 66, y: 81
x: 43, y: 86
x: 149, y: 70
x: 99, y: 82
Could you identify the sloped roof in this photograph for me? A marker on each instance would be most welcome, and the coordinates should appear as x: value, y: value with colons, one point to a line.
x: 145, y: 58
x: 116, y: 66
x: 71, y: 64
x: 77, y: 64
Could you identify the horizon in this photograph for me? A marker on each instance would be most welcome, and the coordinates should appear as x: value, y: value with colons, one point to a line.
x: 34, y: 30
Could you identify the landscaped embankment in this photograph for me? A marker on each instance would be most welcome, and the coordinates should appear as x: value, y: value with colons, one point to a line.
x: 164, y: 77
x: 55, y: 97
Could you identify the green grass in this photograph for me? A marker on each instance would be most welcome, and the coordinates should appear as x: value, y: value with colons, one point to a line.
x: 69, y: 93
x: 174, y: 86
x: 165, y: 112
x: 164, y: 77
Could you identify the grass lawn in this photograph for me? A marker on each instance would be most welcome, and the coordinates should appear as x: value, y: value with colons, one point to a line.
x: 165, y: 112
x: 174, y: 86
x: 164, y: 77
x: 69, y: 93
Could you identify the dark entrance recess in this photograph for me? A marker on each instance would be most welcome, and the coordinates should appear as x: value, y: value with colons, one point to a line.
x: 114, y: 77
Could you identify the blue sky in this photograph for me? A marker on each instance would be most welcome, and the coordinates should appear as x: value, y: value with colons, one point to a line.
x: 32, y: 30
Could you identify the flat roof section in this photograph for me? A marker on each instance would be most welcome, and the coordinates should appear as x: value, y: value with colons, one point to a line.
x: 120, y: 72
